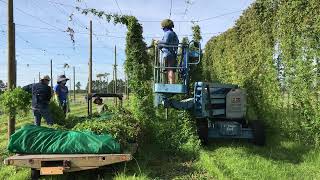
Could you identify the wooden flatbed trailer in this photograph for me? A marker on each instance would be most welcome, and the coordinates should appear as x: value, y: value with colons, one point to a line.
x: 55, y: 164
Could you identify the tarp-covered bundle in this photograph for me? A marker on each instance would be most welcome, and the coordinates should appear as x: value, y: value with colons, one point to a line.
x: 33, y: 139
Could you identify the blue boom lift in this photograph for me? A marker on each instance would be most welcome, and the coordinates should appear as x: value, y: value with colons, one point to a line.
x: 219, y: 109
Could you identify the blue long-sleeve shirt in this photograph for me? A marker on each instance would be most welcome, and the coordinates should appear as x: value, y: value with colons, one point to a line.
x: 62, y: 92
x: 169, y: 38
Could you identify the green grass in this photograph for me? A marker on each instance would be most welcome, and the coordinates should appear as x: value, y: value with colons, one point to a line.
x: 280, y: 159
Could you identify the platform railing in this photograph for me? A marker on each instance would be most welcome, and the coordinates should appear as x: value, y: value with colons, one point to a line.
x: 160, y: 68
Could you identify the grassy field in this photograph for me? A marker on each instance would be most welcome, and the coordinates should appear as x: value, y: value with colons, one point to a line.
x: 280, y: 159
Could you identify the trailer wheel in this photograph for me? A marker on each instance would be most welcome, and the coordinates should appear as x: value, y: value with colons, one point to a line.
x: 35, y: 174
x: 202, y: 129
x: 258, y: 131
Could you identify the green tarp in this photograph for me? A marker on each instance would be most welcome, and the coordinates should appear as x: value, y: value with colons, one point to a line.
x: 33, y: 139
x: 105, y: 116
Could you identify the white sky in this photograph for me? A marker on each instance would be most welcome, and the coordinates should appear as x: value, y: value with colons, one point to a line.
x: 40, y: 37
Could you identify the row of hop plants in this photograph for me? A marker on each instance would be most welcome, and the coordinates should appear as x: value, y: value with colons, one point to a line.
x: 273, y: 51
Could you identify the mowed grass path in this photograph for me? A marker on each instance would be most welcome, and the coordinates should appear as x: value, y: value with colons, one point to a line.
x: 280, y: 159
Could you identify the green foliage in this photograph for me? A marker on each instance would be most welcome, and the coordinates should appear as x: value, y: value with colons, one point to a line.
x: 122, y: 126
x: 273, y: 52
x: 121, y: 85
x: 196, y: 70
x: 138, y: 64
x: 177, y: 133
x: 196, y: 33
x: 102, y: 86
x: 57, y: 113
x: 15, y: 101
x: 60, y: 120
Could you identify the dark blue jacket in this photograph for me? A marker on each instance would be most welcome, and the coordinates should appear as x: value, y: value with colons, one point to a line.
x: 41, y: 94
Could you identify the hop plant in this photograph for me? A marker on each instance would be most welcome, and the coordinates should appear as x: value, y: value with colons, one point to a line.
x: 15, y: 101
x: 57, y: 114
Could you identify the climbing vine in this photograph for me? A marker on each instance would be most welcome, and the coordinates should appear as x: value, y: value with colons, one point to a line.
x: 196, y: 70
x: 273, y: 51
x: 138, y: 65
x: 196, y: 33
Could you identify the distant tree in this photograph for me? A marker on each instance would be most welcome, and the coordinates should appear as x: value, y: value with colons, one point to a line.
x: 99, y: 86
x: 120, y: 86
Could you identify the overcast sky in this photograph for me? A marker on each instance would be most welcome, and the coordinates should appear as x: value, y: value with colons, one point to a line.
x: 41, y: 36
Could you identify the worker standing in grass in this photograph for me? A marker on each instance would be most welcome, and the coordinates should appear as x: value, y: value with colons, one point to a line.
x: 170, y: 38
x: 41, y: 95
x: 61, y: 93
x: 101, y: 106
